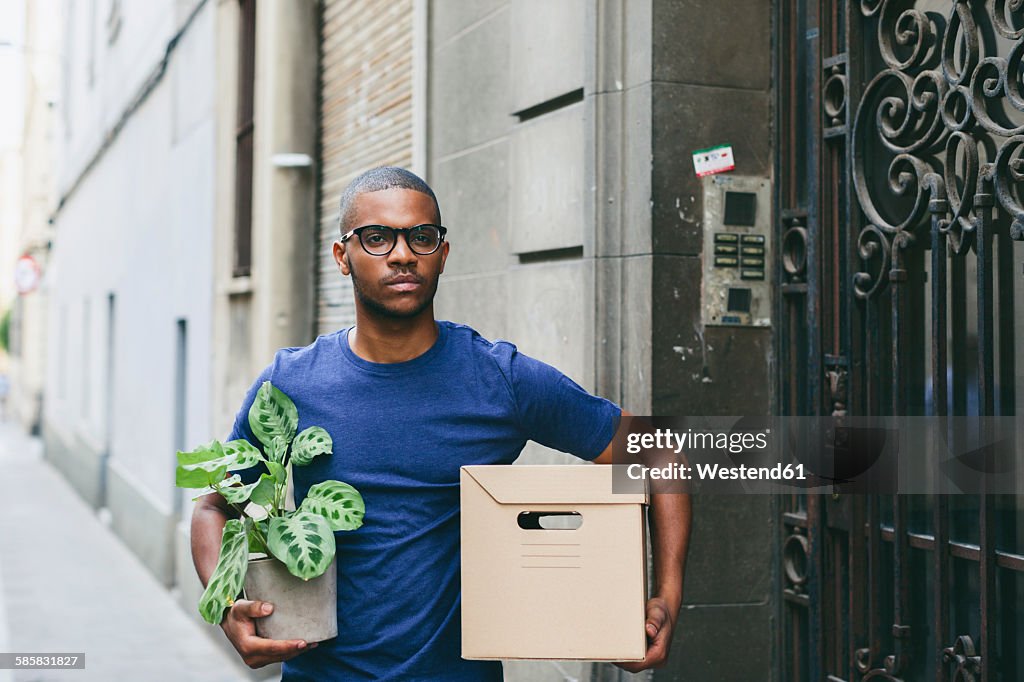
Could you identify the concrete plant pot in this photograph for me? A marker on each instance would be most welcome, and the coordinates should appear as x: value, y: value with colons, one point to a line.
x: 303, y: 609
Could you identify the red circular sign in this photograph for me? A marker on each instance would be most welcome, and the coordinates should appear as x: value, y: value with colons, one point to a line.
x: 26, y: 274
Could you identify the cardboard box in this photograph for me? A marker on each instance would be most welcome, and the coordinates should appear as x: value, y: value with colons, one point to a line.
x: 533, y: 587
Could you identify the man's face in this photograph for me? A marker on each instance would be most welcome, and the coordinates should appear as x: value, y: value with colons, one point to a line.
x: 401, y: 284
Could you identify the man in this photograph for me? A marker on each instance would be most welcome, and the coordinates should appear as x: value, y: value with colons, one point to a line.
x: 407, y: 401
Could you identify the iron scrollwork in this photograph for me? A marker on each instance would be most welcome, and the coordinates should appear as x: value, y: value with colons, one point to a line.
x: 936, y: 148
x: 966, y: 662
x: 939, y: 130
x: 838, y: 385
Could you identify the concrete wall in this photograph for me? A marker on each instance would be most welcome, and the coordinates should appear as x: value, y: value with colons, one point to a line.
x: 710, y: 85
x: 511, y: 187
x: 576, y: 230
x: 512, y: 190
x: 135, y: 222
x: 274, y: 306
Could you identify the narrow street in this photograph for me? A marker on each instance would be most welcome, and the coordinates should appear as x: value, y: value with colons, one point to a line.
x: 68, y: 585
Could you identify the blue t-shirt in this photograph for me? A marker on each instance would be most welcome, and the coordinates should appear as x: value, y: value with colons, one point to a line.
x: 400, y: 432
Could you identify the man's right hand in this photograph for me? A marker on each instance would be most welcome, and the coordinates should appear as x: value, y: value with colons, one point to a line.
x: 240, y: 626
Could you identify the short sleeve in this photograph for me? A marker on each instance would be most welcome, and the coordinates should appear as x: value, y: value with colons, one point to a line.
x: 241, y: 427
x: 556, y: 412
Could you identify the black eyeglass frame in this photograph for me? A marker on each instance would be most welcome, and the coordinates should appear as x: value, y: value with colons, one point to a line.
x: 405, y: 231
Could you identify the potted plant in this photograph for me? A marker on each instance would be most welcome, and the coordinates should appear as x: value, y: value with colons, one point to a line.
x: 289, y: 552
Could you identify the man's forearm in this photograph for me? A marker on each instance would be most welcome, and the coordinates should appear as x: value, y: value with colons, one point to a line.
x: 208, y: 519
x: 670, y: 535
x: 669, y: 517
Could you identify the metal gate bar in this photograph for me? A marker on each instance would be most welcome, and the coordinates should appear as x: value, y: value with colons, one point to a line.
x: 853, y: 603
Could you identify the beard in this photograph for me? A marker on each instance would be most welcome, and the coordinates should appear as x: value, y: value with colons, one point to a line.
x: 381, y: 309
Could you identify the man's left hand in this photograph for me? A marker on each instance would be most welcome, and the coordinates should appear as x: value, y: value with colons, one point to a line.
x: 659, y: 637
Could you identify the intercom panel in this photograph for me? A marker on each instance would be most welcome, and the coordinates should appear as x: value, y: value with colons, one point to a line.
x: 737, y: 251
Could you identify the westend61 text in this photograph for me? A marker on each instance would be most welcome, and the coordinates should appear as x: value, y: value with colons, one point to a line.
x: 714, y: 472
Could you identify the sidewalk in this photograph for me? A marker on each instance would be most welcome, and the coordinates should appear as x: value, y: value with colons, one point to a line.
x: 67, y: 584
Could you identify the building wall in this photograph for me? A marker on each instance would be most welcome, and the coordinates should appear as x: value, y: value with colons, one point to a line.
x: 42, y: 74
x: 10, y: 228
x: 506, y: 153
x: 13, y: 55
x: 560, y: 147
x: 711, y: 84
x: 132, y: 256
x: 274, y: 306
x: 506, y: 157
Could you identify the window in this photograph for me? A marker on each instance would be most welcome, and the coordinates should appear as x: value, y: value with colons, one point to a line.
x: 243, y: 139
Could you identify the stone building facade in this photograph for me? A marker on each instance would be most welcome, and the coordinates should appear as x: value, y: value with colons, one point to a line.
x: 129, y: 346
x: 558, y: 137
x: 560, y: 144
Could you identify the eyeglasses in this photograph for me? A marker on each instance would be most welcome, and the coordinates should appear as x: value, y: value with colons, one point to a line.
x: 380, y: 240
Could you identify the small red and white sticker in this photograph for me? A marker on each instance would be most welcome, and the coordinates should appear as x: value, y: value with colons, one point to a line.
x: 713, y: 160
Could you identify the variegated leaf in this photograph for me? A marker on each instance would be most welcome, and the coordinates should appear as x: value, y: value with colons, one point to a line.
x: 304, y: 542
x: 227, y: 578
x: 338, y: 502
x: 277, y: 472
x: 254, y: 492
x: 204, y: 453
x: 255, y: 544
x: 277, y: 449
x: 214, y: 458
x: 263, y: 491
x: 273, y: 415
x: 200, y: 474
x: 310, y: 443
x: 245, y: 453
x: 210, y: 489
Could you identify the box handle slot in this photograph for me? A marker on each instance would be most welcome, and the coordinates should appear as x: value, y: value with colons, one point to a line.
x: 549, y: 520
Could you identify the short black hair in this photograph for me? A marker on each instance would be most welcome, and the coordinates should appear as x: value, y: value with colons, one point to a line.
x: 376, y: 180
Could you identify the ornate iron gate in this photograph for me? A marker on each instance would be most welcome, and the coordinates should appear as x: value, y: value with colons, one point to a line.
x: 900, y: 128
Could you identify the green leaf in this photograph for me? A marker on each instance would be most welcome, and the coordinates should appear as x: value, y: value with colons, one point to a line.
x: 200, y: 475
x: 253, y: 492
x: 304, y: 542
x: 255, y: 545
x: 200, y: 467
x: 338, y: 502
x: 245, y: 453
x: 273, y: 415
x: 204, y: 453
x: 277, y: 449
x: 277, y: 472
x: 210, y: 489
x: 227, y: 578
x: 310, y: 443
x: 263, y: 491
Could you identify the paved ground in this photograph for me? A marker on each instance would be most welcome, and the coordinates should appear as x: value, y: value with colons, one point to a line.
x: 67, y: 584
